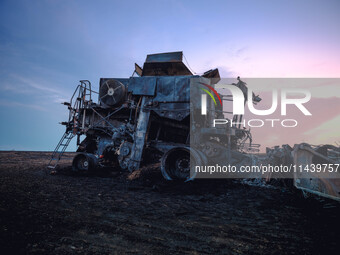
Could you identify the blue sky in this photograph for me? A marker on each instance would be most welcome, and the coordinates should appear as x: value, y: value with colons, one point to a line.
x: 46, y: 47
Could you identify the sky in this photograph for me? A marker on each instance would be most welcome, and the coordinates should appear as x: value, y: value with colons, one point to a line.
x: 46, y: 47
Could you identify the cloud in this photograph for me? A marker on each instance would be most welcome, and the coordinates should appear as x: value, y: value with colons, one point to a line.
x: 45, y: 91
x: 322, y: 127
x: 319, y: 87
x: 8, y: 103
x: 35, y: 84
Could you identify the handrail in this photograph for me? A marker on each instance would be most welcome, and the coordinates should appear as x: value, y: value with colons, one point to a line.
x: 84, y: 94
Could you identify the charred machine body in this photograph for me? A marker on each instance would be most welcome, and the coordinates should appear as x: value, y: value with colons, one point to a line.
x: 142, y: 119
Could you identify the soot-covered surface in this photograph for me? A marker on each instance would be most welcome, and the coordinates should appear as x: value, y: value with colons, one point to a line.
x: 140, y: 213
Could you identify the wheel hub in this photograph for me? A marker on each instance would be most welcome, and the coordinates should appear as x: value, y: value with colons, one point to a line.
x: 183, y: 164
x: 110, y: 92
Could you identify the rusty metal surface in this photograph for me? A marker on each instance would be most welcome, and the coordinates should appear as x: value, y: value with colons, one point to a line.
x: 165, y: 64
x: 176, y: 56
x: 305, y: 155
x: 145, y: 86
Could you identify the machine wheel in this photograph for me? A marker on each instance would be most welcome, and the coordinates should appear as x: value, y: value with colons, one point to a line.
x: 84, y: 162
x: 176, y: 163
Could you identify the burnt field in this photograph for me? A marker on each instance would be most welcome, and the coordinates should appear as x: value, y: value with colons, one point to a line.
x: 121, y: 213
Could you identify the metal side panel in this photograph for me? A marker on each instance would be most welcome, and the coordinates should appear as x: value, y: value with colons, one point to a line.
x: 139, y: 139
x: 144, y: 86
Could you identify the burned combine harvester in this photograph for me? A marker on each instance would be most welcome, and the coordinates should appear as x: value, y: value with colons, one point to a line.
x: 140, y: 119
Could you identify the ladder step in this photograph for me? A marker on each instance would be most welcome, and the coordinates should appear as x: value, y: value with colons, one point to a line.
x: 63, y: 143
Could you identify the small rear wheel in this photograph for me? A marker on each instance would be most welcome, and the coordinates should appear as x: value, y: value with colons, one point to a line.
x: 84, y: 162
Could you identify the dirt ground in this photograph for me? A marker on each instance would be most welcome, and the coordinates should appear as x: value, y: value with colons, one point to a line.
x: 141, y: 213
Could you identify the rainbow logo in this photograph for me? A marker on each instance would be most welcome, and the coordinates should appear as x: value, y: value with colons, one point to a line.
x: 209, y: 93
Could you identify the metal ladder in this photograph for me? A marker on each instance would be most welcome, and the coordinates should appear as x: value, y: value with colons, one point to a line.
x: 60, y: 149
x: 79, y: 101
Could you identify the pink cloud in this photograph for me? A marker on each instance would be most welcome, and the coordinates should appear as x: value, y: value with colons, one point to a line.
x: 322, y: 110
